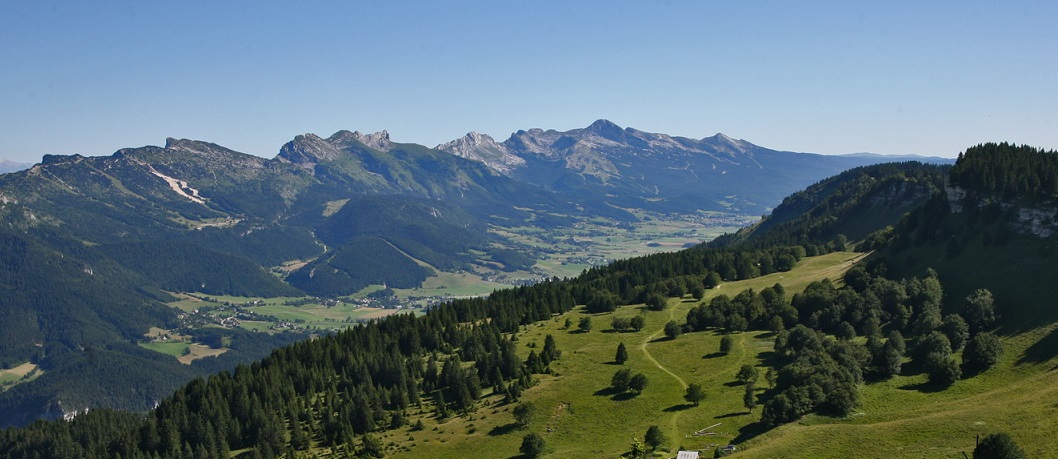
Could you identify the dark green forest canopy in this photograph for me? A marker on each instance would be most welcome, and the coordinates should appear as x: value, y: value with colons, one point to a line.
x: 1009, y: 171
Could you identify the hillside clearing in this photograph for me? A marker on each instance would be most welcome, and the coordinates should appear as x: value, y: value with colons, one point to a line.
x: 596, y: 422
x: 18, y: 374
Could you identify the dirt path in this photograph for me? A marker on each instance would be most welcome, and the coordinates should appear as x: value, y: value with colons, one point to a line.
x: 674, y: 420
x: 643, y: 347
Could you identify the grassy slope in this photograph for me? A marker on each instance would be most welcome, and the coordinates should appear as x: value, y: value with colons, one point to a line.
x: 897, y: 418
x: 901, y: 421
x: 585, y: 419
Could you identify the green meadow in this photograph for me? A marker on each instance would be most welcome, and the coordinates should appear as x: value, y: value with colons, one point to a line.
x: 579, y: 416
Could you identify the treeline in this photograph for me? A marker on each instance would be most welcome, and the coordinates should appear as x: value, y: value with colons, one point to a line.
x: 435, y: 232
x: 184, y: 267
x: 818, y: 360
x: 51, y: 302
x: 635, y: 280
x: 337, y: 390
x: 1008, y: 171
x: 845, y: 207
x: 328, y: 392
x: 359, y: 263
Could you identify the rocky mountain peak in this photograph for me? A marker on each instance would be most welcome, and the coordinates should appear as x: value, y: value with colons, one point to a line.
x: 307, y: 150
x: 378, y: 140
x: 483, y: 148
x: 193, y: 146
x: 606, y: 128
x: 724, y: 144
x: 204, y: 151
x: 468, y: 142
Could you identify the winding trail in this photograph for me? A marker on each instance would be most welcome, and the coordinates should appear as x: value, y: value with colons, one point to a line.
x: 674, y: 421
x: 643, y: 347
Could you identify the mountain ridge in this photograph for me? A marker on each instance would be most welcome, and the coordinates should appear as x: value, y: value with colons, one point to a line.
x: 131, y: 217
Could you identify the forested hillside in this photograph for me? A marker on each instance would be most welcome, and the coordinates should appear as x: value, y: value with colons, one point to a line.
x: 846, y: 207
x: 335, y: 392
x: 1008, y: 171
x: 327, y: 217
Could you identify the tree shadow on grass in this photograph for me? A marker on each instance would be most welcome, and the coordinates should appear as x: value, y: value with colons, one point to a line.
x: 733, y: 384
x: 624, y: 396
x: 504, y: 429
x: 679, y: 407
x: 730, y: 415
x: 925, y: 387
x: 749, y: 431
x: 1042, y: 351
x: 606, y: 392
x: 713, y: 355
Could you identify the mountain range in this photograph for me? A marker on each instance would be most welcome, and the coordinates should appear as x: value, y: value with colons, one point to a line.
x: 942, y: 329
x: 629, y: 168
x: 92, y: 246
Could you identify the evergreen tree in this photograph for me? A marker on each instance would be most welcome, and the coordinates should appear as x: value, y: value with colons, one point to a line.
x: 749, y: 398
x: 585, y: 325
x: 621, y: 379
x: 725, y: 344
x: 622, y: 354
x: 638, y: 383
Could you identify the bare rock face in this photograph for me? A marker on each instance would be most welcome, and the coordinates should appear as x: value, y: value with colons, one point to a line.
x: 308, y: 150
x: 483, y: 148
x: 379, y: 140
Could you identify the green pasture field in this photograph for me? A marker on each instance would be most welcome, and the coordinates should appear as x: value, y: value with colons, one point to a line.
x: 13, y: 376
x: 578, y: 416
x: 175, y: 349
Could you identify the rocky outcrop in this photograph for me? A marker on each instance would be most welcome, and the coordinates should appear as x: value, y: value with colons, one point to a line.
x: 484, y: 149
x: 1040, y: 221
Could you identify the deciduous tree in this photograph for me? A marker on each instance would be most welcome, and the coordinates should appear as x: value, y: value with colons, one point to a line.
x: 654, y: 437
x: 695, y: 394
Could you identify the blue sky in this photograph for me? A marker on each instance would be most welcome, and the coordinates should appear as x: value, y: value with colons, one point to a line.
x: 929, y: 78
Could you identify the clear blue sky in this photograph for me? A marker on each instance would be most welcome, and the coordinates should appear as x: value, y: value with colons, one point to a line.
x: 930, y: 78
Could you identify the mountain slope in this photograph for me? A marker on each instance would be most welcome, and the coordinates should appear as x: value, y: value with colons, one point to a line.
x: 636, y: 169
x: 828, y: 391
x: 852, y: 204
x: 117, y: 232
